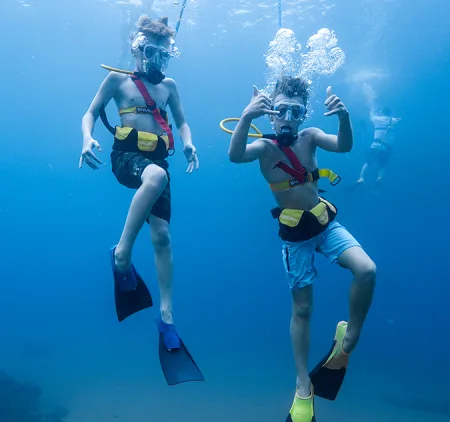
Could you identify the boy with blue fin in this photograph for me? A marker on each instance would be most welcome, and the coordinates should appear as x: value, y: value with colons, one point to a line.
x: 142, y: 144
x: 307, y: 224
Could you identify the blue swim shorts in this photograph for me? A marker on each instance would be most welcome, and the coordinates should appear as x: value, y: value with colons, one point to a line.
x: 298, y: 257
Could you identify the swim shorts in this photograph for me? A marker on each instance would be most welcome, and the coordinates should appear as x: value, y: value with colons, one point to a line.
x: 128, y: 168
x: 381, y: 152
x: 298, y: 257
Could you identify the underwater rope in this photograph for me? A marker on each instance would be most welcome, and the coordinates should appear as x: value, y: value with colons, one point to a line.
x: 183, y: 6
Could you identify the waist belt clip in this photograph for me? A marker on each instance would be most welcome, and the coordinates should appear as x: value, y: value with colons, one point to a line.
x: 336, y: 181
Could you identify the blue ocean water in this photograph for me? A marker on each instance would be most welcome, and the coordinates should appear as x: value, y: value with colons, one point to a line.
x: 232, y: 302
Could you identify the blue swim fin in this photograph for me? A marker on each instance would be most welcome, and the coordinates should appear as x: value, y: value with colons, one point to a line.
x: 177, y: 364
x: 130, y: 291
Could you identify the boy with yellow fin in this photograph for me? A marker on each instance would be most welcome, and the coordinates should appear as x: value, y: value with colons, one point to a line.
x: 139, y: 155
x: 307, y: 224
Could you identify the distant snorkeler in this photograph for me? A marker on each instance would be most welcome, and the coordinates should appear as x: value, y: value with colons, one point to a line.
x: 383, y: 138
x: 139, y: 155
x: 307, y: 224
x: 382, y: 146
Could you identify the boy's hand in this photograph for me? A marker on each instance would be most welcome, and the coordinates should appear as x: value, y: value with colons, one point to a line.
x: 88, y: 156
x: 191, y: 156
x: 260, y: 104
x: 335, y: 105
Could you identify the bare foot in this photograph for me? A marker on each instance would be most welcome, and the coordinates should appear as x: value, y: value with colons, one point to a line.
x: 122, y: 260
x: 166, y: 315
x: 304, y: 390
x: 339, y: 361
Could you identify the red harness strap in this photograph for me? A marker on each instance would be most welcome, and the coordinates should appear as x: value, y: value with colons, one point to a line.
x: 152, y: 106
x: 298, y: 172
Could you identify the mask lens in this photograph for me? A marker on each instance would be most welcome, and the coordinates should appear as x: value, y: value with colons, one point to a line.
x: 282, y: 110
x: 297, y: 112
x: 150, y: 51
x: 165, y: 55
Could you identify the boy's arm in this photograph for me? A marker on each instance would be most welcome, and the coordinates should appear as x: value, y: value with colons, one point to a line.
x: 240, y: 151
x: 106, y: 91
x: 343, y: 142
x: 174, y: 103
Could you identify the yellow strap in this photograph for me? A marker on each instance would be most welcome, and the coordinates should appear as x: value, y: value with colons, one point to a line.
x: 279, y: 186
x: 330, y: 175
x: 291, y: 183
x: 136, y: 110
x: 127, y: 110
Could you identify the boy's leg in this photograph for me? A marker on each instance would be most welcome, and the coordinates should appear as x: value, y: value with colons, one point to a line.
x: 361, y: 292
x: 383, y: 161
x: 371, y: 156
x: 381, y: 172
x: 154, y: 180
x: 159, y: 232
x: 340, y: 246
x: 302, y: 300
x: 298, y: 259
x: 363, y: 172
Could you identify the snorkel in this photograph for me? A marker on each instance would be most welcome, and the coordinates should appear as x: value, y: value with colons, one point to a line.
x: 286, y: 136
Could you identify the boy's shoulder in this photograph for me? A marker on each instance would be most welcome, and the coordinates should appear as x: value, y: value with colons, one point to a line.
x: 308, y: 132
x: 116, y: 78
x: 169, y: 82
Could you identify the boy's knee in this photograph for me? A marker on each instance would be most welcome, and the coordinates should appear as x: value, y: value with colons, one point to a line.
x: 153, y: 176
x: 161, y: 238
x: 302, y: 310
x: 366, y: 272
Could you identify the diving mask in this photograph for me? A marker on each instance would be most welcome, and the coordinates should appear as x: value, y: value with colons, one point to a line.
x: 155, y: 58
x: 158, y: 56
x: 287, y: 111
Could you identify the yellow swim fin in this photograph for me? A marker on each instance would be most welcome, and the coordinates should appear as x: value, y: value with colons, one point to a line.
x: 302, y: 409
x: 328, y: 376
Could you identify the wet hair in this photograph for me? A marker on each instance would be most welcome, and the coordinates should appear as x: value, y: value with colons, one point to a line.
x: 292, y: 87
x: 157, y: 28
